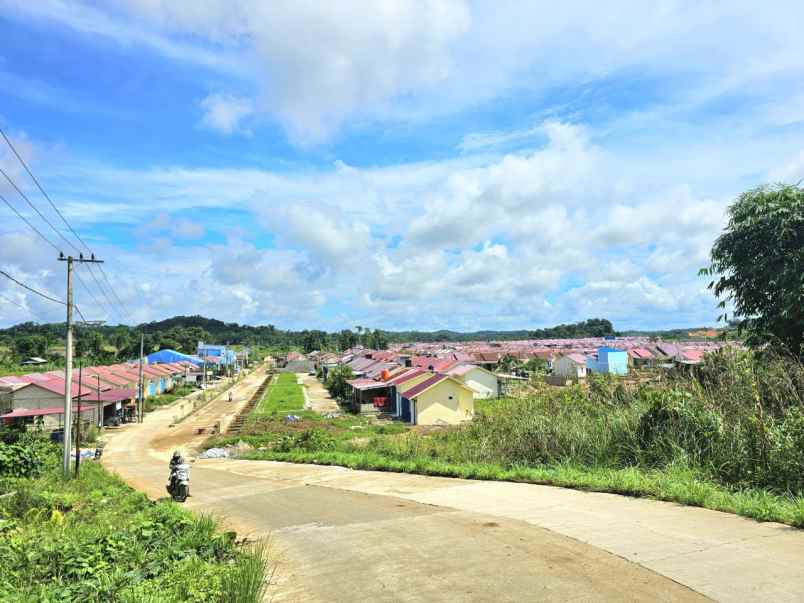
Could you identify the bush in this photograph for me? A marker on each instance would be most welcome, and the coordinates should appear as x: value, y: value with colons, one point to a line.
x: 27, y: 457
x: 308, y: 440
x: 678, y: 425
x: 95, y: 539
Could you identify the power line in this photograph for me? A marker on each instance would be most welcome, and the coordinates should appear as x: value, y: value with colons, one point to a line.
x: 42, y: 190
x: 114, y: 293
x: 32, y: 290
x: 72, y: 230
x: 40, y: 294
x: 105, y: 295
x: 19, y: 305
x: 88, y: 290
x: 24, y: 219
x: 39, y: 213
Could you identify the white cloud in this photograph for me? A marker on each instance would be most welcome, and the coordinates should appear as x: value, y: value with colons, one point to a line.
x: 319, y: 65
x: 225, y: 113
x: 561, y: 232
x: 791, y: 172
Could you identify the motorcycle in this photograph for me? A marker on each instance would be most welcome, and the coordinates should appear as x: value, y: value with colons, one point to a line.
x: 179, y: 482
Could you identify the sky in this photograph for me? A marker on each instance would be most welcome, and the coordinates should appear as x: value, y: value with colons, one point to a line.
x: 405, y: 164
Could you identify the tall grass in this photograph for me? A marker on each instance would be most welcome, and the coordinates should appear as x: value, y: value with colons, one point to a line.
x: 729, y: 436
x: 740, y: 422
x: 249, y: 579
x: 95, y: 539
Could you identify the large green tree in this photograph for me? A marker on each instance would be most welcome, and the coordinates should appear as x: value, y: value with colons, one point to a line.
x: 30, y: 345
x: 758, y: 266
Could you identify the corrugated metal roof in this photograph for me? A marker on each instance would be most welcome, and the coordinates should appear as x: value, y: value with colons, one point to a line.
x: 56, y: 386
x: 424, y: 385
x: 407, y: 376
x: 364, y: 384
x: 41, y: 412
x: 461, y: 370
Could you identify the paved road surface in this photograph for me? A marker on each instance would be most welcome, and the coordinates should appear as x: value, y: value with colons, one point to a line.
x: 342, y: 535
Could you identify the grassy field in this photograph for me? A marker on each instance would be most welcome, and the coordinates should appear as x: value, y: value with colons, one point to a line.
x: 95, y: 539
x: 731, y: 439
x: 283, y: 396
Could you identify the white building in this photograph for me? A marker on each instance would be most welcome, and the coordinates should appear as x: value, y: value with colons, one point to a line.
x: 571, y: 366
x: 482, y: 382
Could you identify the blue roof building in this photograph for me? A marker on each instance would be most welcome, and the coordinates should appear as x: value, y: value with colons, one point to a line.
x: 165, y: 356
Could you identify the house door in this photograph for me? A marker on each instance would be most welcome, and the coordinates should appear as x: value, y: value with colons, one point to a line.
x: 406, y: 409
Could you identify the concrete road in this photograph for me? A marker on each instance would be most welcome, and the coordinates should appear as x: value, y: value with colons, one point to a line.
x: 342, y: 535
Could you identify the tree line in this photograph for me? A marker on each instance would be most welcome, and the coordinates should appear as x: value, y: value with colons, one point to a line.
x: 110, y: 343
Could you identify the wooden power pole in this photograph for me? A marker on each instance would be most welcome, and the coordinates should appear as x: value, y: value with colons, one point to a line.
x: 68, y: 359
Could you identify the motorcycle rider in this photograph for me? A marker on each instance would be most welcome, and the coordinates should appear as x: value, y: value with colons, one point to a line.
x: 176, y: 460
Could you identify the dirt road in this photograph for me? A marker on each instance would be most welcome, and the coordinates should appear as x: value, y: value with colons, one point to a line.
x: 317, y: 397
x: 342, y: 535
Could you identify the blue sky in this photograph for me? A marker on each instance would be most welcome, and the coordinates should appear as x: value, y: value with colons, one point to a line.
x: 404, y: 164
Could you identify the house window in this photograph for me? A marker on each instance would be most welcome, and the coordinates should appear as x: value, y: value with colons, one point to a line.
x: 450, y: 397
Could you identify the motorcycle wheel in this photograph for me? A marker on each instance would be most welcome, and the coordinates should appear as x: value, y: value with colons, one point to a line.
x: 181, y: 493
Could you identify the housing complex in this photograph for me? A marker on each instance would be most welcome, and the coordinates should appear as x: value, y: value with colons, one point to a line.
x: 437, y: 383
x: 102, y: 393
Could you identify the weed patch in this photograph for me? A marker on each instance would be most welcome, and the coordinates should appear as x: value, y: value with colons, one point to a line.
x: 95, y: 539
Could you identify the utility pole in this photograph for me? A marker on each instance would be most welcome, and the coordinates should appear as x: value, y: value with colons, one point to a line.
x: 68, y: 371
x: 99, y: 410
x: 78, y: 420
x: 68, y: 363
x: 141, y: 399
x: 204, y: 376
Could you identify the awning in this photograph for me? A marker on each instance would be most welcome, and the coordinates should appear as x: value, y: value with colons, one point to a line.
x: 40, y: 412
x: 365, y: 384
x: 113, y: 395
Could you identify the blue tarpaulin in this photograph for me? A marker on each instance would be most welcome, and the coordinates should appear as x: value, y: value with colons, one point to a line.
x: 172, y: 356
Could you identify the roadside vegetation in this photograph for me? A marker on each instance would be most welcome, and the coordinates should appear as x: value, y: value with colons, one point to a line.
x: 95, y: 539
x: 158, y: 401
x: 730, y: 438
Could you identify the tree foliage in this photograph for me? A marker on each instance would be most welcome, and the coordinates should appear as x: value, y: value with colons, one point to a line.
x: 758, y: 265
x: 113, y: 343
x: 336, y: 381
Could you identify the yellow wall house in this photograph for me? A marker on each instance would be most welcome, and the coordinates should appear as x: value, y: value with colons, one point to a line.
x: 440, y: 400
x: 404, y: 382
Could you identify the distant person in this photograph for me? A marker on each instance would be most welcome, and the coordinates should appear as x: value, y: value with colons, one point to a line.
x: 230, y: 396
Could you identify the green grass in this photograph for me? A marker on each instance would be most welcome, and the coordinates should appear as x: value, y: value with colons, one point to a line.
x: 160, y: 400
x: 730, y: 439
x: 95, y: 539
x: 283, y: 396
x: 672, y: 484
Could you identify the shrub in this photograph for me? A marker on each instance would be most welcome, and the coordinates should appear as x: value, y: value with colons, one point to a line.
x: 677, y: 424
x: 308, y: 440
x: 27, y: 457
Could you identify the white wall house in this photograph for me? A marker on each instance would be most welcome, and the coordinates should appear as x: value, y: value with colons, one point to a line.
x: 482, y: 382
x: 571, y: 366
